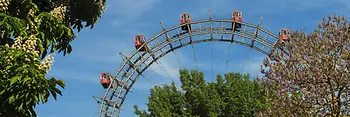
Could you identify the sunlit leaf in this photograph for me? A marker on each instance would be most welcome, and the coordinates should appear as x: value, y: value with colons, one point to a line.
x: 14, y: 80
x: 12, y: 99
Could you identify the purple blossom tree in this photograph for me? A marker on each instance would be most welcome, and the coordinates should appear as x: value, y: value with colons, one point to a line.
x: 311, y: 76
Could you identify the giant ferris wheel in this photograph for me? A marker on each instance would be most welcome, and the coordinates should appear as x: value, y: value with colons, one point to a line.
x: 189, y: 32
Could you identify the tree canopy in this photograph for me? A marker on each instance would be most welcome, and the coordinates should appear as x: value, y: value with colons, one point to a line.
x: 30, y: 31
x: 230, y: 96
x: 311, y: 78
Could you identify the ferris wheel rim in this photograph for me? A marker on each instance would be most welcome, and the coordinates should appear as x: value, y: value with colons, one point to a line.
x: 258, y: 38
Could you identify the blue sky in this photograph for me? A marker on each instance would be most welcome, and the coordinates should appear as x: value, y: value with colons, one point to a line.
x: 96, y: 50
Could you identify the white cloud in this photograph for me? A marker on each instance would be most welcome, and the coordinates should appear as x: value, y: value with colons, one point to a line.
x: 155, y: 75
x: 109, y: 49
x: 104, y: 51
x: 143, y: 85
x: 282, y: 6
x: 252, y: 65
x: 132, y: 8
x: 217, y: 6
x: 128, y: 10
x: 171, y: 65
x: 84, y: 75
x: 297, y: 5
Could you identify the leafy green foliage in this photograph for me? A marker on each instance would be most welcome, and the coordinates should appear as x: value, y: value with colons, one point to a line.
x: 23, y: 84
x: 30, y: 30
x: 39, y: 15
x: 235, y: 95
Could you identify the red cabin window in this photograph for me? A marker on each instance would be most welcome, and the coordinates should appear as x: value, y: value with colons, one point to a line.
x: 185, y: 18
x: 284, y: 34
x: 105, y: 78
x: 139, y: 40
x: 237, y: 15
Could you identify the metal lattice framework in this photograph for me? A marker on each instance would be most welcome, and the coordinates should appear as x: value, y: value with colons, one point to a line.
x: 252, y: 36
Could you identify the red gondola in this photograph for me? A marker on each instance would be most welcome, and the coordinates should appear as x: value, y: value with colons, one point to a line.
x: 185, y: 18
x: 237, y: 16
x: 106, y: 79
x: 284, y: 34
x: 139, y: 40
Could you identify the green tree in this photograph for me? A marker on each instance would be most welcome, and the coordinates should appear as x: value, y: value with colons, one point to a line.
x: 235, y: 95
x: 30, y: 31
